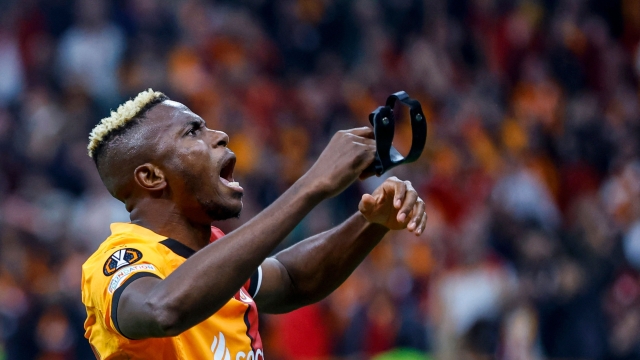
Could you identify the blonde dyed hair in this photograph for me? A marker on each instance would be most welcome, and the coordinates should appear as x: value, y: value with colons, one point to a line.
x: 119, y: 118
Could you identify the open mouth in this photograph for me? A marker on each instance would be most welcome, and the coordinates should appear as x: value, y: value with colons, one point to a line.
x: 226, y: 173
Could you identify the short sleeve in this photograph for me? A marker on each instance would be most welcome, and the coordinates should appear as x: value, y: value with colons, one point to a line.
x: 114, y: 270
x: 252, y: 286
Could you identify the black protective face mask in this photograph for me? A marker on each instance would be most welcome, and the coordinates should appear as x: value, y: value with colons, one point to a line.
x: 383, y: 121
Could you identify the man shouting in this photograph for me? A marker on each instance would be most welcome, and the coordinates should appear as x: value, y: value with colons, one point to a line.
x: 160, y: 287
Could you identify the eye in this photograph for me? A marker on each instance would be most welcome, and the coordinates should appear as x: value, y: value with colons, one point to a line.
x: 193, y: 131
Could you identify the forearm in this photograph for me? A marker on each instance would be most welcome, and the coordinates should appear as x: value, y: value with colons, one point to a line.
x: 318, y: 265
x: 209, y: 278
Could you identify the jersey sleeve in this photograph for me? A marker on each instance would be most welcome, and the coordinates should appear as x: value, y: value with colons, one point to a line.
x: 116, y: 269
x: 252, y: 286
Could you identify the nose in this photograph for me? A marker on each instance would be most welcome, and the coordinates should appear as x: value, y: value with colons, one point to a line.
x: 219, y: 138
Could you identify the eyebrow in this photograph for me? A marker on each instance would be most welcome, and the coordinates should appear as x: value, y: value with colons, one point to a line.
x: 195, y: 121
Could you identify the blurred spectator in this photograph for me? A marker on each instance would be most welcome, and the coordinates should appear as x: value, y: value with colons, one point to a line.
x: 89, y: 52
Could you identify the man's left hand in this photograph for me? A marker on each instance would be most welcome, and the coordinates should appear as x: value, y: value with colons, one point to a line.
x: 396, y: 205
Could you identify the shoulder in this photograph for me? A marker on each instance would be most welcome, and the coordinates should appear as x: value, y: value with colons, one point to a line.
x: 114, y: 254
x: 118, y: 258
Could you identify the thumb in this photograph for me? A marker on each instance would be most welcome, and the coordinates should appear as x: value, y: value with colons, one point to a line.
x: 367, y: 204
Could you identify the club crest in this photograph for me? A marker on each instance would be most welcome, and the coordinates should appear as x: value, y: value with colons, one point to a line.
x: 120, y: 258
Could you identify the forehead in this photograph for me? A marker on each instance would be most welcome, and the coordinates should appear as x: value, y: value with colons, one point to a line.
x: 170, y: 114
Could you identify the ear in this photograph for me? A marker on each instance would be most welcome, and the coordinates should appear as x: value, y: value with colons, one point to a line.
x: 149, y: 177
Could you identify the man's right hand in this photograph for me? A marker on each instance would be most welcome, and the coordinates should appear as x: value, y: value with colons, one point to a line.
x: 345, y: 159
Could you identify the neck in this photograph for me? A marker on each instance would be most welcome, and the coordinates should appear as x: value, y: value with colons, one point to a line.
x: 164, y: 218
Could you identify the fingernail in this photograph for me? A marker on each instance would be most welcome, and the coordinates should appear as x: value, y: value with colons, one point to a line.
x: 398, y: 202
x: 402, y: 217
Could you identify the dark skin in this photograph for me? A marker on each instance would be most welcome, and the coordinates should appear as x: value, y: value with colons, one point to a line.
x: 185, y: 187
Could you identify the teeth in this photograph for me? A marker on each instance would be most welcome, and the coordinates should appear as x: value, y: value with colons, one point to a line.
x: 234, y: 183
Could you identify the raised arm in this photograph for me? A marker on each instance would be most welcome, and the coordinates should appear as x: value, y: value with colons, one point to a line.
x: 310, y: 270
x: 150, y: 307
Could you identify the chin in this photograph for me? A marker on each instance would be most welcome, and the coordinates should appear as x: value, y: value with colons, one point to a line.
x: 219, y: 212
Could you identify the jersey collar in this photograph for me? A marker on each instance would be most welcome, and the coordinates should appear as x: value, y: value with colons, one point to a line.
x: 172, y: 244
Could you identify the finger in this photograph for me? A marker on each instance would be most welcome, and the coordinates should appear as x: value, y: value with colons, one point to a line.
x: 410, y: 199
x: 368, y: 170
x: 400, y: 191
x: 367, y: 204
x: 423, y: 224
x: 364, y: 151
x: 418, y: 210
x: 365, y: 157
x: 364, y: 131
x: 362, y: 140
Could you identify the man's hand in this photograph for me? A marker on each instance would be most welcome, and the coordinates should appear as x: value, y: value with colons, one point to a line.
x: 343, y: 161
x: 396, y: 205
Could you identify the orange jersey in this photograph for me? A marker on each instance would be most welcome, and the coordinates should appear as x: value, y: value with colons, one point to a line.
x: 132, y: 252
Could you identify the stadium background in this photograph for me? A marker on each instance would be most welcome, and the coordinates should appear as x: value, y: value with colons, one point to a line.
x: 531, y: 174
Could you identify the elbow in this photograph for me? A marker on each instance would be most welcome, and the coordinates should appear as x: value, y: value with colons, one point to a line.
x: 167, y: 317
x: 308, y: 297
x: 303, y: 289
x: 306, y: 292
x: 169, y: 325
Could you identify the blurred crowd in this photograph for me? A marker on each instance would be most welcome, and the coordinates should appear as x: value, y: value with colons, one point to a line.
x: 531, y: 172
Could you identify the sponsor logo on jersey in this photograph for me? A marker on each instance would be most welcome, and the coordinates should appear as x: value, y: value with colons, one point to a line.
x: 120, y: 259
x: 251, y: 355
x: 221, y: 352
x: 122, y: 274
x: 219, y: 348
